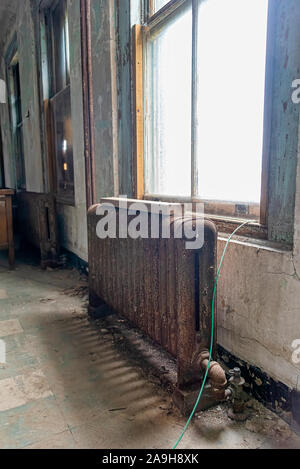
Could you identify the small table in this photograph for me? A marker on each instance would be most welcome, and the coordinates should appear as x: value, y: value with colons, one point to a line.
x: 6, y: 224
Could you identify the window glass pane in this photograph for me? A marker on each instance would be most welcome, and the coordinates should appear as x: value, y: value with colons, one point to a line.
x: 67, y: 49
x: 158, y: 4
x: 62, y: 122
x: 231, y: 77
x: 61, y: 44
x: 168, y: 167
x: 45, y: 59
x: 17, y: 123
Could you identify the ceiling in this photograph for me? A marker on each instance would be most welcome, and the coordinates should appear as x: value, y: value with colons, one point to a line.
x: 8, y: 10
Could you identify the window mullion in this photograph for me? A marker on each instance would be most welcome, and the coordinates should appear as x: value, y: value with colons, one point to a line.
x: 149, y: 8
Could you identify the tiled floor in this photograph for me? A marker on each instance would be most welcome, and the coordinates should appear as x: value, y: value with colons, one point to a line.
x: 65, y: 385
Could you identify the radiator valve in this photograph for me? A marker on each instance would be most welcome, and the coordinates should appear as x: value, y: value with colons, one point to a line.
x: 237, y: 396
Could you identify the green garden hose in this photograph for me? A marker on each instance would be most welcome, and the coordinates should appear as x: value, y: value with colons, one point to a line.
x: 212, y: 334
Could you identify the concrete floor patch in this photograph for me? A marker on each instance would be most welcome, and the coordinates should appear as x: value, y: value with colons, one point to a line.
x: 10, y: 327
x: 3, y: 294
x: 16, y: 392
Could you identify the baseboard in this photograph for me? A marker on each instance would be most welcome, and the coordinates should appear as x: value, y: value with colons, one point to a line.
x: 273, y: 394
x: 75, y: 261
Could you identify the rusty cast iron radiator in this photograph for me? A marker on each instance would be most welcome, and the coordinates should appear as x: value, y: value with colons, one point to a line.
x: 164, y: 289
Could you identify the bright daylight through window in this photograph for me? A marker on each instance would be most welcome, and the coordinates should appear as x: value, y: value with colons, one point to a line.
x: 225, y: 162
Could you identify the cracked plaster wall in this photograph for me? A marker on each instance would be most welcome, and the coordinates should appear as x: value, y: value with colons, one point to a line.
x: 259, y: 307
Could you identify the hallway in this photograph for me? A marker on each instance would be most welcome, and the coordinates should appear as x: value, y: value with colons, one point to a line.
x: 65, y: 385
x: 154, y: 202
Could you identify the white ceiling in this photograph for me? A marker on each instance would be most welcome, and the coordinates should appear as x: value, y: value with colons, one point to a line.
x: 7, y: 16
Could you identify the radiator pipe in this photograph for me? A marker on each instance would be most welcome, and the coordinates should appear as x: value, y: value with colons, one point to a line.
x: 216, y: 375
x: 221, y: 389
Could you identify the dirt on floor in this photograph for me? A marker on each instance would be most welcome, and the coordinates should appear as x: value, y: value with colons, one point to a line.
x: 74, y: 382
x: 159, y: 368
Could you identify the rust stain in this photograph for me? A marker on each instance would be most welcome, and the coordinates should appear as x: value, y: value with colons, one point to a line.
x: 158, y: 285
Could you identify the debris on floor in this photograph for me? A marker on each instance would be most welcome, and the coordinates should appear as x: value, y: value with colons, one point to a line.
x: 80, y: 290
x: 93, y: 388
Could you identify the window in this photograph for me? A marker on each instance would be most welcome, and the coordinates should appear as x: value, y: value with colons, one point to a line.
x: 15, y: 105
x: 169, y: 117
x: 60, y: 44
x: 56, y: 86
x: 156, y: 5
x: 204, y: 84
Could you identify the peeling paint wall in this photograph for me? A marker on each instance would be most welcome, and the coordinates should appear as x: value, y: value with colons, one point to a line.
x: 9, y: 166
x: 258, y: 308
x: 105, y: 97
x: 30, y: 101
x: 111, y: 82
x: 284, y: 120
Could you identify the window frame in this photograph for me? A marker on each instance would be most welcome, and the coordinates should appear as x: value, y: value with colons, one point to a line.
x: 47, y: 13
x: 16, y: 122
x: 224, y: 213
x: 151, y: 16
x: 50, y: 94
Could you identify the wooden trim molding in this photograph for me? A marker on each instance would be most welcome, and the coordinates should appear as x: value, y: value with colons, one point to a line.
x: 138, y: 112
x: 88, y: 108
x: 50, y: 145
x: 6, y: 225
x: 267, y: 117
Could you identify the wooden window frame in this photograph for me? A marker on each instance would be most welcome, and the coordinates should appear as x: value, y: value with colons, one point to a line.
x: 47, y: 7
x: 18, y: 153
x: 50, y: 33
x: 226, y: 215
x: 151, y: 16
